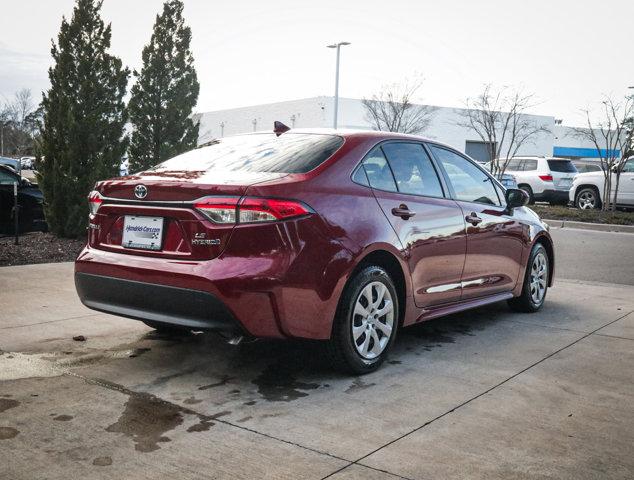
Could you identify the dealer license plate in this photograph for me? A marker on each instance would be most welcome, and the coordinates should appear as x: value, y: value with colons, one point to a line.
x: 142, y: 232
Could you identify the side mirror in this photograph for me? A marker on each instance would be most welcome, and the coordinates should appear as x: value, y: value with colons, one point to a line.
x: 516, y: 197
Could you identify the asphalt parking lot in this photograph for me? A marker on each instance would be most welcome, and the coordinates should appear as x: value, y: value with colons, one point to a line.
x: 483, y: 394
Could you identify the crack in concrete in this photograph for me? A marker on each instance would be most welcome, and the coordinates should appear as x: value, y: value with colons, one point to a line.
x: 481, y: 394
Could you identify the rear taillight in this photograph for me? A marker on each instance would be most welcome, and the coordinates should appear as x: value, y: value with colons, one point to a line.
x: 218, y: 209
x: 253, y: 209
x: 94, y: 201
x: 227, y: 210
x: 546, y: 178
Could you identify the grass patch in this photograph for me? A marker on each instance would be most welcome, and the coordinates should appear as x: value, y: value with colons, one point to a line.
x: 556, y: 212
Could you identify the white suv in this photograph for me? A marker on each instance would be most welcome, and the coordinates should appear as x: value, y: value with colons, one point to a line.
x: 587, y: 188
x: 545, y: 179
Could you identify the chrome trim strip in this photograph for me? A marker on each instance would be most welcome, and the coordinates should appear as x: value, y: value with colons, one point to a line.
x: 455, y: 286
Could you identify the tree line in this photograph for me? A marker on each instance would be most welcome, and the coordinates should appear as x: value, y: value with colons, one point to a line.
x: 85, y: 127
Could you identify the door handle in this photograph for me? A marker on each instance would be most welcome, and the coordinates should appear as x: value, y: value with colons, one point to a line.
x: 403, y: 212
x: 473, y: 219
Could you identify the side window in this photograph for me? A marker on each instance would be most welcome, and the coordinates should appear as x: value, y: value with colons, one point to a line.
x: 412, y: 168
x: 360, y: 177
x: 530, y: 165
x: 629, y: 167
x: 514, y: 164
x: 378, y: 171
x: 470, y: 184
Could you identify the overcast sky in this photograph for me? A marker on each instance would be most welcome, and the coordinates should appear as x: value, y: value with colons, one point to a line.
x: 568, y: 52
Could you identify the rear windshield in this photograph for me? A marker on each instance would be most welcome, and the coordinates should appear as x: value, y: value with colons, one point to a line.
x: 288, y: 153
x: 562, y: 166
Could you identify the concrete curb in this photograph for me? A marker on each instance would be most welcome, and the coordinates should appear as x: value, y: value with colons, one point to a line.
x: 601, y: 227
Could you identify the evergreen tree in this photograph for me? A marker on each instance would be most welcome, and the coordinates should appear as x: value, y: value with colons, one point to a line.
x: 82, y: 131
x: 165, y: 93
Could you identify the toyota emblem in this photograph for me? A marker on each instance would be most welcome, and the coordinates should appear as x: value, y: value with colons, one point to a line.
x: 140, y: 191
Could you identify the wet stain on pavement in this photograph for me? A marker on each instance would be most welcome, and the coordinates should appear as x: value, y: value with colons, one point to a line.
x: 102, y: 461
x: 191, y: 401
x: 245, y: 419
x: 394, y: 362
x: 64, y: 418
x: 145, y: 419
x: 166, y: 378
x: 6, y: 404
x: 203, y: 424
x: 7, y: 433
x: 277, y: 383
x: 357, y: 385
x: 223, y: 381
x: 250, y: 403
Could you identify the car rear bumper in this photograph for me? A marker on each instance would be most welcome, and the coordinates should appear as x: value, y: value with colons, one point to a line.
x: 184, y: 307
x: 552, y: 196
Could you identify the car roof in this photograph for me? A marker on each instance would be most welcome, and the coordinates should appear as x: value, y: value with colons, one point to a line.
x: 378, y: 135
x: 536, y: 157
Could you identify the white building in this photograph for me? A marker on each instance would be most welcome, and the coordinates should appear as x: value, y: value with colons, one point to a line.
x: 318, y: 112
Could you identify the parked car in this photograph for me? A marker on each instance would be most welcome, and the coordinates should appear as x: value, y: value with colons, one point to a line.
x: 584, y: 166
x: 587, y: 188
x: 12, y: 163
x: 330, y: 235
x: 27, y: 163
x: 30, y: 203
x: 508, y: 180
x: 544, y: 179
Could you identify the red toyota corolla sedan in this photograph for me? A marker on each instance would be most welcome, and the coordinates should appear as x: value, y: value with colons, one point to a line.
x: 342, y: 236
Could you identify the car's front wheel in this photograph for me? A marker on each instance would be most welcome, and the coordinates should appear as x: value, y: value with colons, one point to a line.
x: 366, y: 322
x: 535, y: 282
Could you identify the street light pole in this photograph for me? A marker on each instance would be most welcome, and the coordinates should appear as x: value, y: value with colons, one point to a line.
x: 338, y: 47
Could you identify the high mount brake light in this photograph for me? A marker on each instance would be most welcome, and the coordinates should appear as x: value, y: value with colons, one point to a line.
x: 227, y: 210
x: 546, y: 178
x: 94, y: 201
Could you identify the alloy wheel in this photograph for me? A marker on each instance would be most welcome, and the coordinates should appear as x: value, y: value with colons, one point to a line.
x: 372, y: 320
x: 587, y: 200
x: 539, y: 278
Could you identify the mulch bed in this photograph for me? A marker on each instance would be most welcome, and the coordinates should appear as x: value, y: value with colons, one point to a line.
x: 39, y: 248
x: 556, y: 212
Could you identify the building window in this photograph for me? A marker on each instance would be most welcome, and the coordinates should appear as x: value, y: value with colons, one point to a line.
x: 479, y: 151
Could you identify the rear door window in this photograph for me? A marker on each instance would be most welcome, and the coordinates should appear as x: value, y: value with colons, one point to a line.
x: 288, y: 153
x: 514, y: 164
x: 378, y: 171
x: 529, y: 165
x: 563, y: 166
x: 412, y: 168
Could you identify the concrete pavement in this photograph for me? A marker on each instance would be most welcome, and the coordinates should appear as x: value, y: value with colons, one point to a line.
x: 484, y: 394
x: 594, y: 256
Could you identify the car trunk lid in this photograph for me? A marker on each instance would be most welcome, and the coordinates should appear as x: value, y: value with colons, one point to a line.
x: 153, y: 214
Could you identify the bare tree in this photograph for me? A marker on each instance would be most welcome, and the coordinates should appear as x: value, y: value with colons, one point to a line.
x: 392, y: 109
x: 19, y: 123
x: 612, y: 137
x: 499, y: 119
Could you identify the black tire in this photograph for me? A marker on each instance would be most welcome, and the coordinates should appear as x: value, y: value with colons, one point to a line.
x: 587, y: 193
x: 525, y: 302
x: 529, y: 191
x: 164, y: 328
x: 340, y: 349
